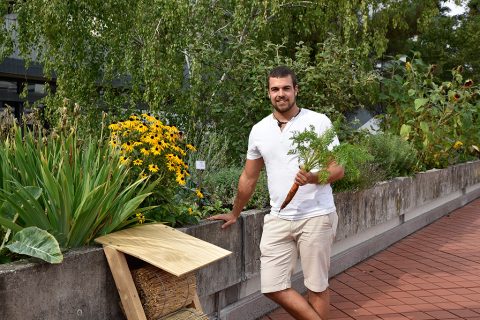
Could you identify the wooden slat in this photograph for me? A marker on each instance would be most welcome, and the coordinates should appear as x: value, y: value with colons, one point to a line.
x: 123, y: 280
x: 196, y: 302
x: 164, y: 247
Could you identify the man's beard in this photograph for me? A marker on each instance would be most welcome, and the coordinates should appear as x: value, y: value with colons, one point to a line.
x: 284, y: 109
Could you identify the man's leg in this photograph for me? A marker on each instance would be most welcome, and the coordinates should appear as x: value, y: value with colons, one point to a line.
x: 320, y: 301
x: 294, y: 304
x: 315, y: 249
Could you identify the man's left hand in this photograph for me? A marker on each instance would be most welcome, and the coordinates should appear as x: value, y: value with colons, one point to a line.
x: 303, y: 177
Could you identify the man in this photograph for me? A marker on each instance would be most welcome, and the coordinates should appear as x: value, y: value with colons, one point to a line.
x: 305, y: 227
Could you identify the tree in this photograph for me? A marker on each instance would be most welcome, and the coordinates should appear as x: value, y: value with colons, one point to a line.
x: 451, y: 41
x: 199, y: 73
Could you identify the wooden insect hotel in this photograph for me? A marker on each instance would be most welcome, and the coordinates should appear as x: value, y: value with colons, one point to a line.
x: 165, y: 286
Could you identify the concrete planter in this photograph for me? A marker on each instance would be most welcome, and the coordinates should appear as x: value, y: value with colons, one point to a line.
x: 369, y: 221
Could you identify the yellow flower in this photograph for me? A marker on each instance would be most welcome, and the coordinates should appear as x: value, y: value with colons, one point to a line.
x: 190, y: 211
x: 115, y: 127
x: 113, y: 142
x: 191, y: 147
x: 143, y: 175
x: 180, y: 179
x: 457, y: 145
x: 199, y: 193
x: 141, y: 128
x: 408, y: 66
x: 127, y: 146
x: 144, y: 151
x: 156, y: 150
x: 157, y: 126
x: 150, y: 138
x: 179, y: 150
x: 153, y: 168
x: 170, y: 166
x: 138, y: 162
x: 172, y: 133
x: 164, y: 144
x: 148, y: 117
x: 174, y: 159
x: 140, y: 217
x: 171, y: 136
x: 124, y: 160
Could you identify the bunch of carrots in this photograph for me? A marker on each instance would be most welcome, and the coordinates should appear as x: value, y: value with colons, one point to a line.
x: 313, y: 152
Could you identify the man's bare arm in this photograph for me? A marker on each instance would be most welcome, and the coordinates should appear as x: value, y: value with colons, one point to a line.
x: 246, y: 187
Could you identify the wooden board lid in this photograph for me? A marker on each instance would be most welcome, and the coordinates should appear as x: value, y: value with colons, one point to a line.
x: 164, y: 247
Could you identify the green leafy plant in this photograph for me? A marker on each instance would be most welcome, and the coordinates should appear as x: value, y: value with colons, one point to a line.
x: 440, y: 119
x: 150, y: 148
x: 316, y: 152
x: 75, y: 190
x: 36, y: 242
x: 221, y: 187
x: 392, y: 154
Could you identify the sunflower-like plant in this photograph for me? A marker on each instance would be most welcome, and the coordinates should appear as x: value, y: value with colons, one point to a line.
x: 155, y: 150
x: 151, y: 148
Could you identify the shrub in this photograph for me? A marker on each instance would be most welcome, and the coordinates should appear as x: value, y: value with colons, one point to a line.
x: 158, y: 151
x: 440, y: 119
x: 369, y: 175
x: 222, y: 185
x: 391, y: 154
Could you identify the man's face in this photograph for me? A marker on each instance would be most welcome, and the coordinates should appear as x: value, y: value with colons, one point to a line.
x: 282, y: 93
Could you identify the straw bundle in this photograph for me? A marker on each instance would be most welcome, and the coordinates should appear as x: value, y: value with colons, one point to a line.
x: 162, y: 293
x: 186, y: 314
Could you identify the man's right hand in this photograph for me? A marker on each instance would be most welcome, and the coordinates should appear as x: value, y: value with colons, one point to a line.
x: 230, y: 219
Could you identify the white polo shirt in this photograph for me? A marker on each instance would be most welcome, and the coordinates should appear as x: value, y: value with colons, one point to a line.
x: 267, y: 141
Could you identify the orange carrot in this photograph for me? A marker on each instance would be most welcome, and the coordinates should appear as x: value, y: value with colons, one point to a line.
x: 291, y: 193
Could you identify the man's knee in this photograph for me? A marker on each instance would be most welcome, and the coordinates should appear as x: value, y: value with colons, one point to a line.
x: 318, y: 294
x: 315, y: 297
x: 272, y: 295
x: 275, y: 295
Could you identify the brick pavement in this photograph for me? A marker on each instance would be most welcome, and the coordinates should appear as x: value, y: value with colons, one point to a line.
x: 431, y: 274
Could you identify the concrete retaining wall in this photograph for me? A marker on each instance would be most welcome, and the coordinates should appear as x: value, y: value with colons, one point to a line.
x: 369, y: 221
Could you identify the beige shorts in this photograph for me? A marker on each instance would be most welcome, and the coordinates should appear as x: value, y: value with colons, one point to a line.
x: 283, y: 241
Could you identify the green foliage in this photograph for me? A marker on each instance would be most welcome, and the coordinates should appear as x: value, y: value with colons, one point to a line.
x: 315, y: 152
x: 221, y: 187
x: 335, y: 82
x: 451, y: 40
x: 331, y: 82
x: 218, y: 181
x: 391, y: 154
x: 38, y: 243
x: 165, y: 56
x: 84, y: 189
x: 359, y: 172
x: 212, y: 148
x: 208, y: 77
x: 440, y: 119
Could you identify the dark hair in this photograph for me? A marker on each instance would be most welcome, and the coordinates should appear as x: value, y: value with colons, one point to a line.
x: 282, y: 72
